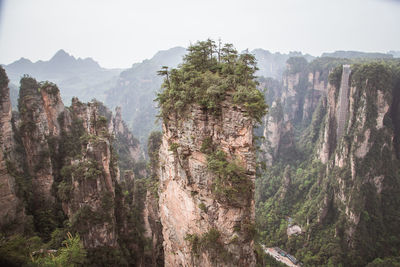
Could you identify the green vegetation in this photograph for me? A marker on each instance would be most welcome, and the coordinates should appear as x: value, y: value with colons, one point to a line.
x: 49, y: 87
x: 22, y: 251
x: 296, y: 64
x: 153, y: 147
x: 174, y: 147
x: 231, y: 186
x: 71, y: 160
x: 335, y: 77
x: 203, y: 207
x: 3, y: 80
x: 71, y: 254
x: 206, y: 77
x: 298, y: 189
x: 210, y: 242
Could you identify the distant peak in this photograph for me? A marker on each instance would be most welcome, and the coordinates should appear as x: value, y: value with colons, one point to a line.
x: 61, y: 54
x: 24, y: 60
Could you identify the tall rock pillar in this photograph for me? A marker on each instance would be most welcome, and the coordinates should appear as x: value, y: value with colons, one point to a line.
x: 207, y: 172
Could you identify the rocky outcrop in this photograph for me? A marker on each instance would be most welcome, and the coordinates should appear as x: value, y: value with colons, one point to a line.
x: 343, y: 101
x: 292, y: 106
x: 272, y: 132
x: 88, y: 188
x: 11, y: 207
x: 328, y: 144
x: 151, y: 212
x: 366, y: 150
x: 121, y: 131
x: 277, y: 134
x: 153, y: 229
x: 205, y: 223
x: 348, y: 182
x: 39, y: 107
x: 59, y: 166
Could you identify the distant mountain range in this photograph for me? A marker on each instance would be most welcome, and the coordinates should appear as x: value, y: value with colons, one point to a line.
x: 357, y: 54
x: 74, y: 76
x: 135, y: 88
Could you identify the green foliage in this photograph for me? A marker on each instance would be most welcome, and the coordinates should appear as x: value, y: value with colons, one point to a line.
x: 3, y: 80
x: 276, y: 111
x: 71, y: 254
x: 153, y: 147
x: 152, y: 186
x: 129, y: 204
x: 57, y: 238
x: 390, y: 261
x: 296, y: 64
x: 85, y: 218
x: 173, y: 147
x: 203, y: 207
x: 49, y: 87
x: 325, y: 65
x: 86, y: 170
x: 15, y: 250
x: 28, y: 87
x: 206, y: 77
x: 207, y: 146
x: 154, y: 142
x: 64, y: 191
x: 210, y: 242
x: 101, y: 122
x: 70, y: 143
x: 252, y: 100
x: 335, y: 77
x: 317, y: 197
x: 231, y: 186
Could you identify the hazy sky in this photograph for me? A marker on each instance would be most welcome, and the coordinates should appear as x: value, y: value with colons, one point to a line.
x: 117, y: 33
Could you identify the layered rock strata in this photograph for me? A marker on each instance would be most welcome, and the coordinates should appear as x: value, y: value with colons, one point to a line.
x: 192, y: 210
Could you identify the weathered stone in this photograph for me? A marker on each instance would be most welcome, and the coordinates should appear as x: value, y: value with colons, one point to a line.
x: 187, y: 203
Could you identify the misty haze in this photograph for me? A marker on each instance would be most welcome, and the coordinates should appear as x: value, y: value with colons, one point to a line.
x: 200, y: 133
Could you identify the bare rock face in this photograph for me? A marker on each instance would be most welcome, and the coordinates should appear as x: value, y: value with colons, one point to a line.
x: 204, y: 223
x: 10, y: 205
x: 329, y: 135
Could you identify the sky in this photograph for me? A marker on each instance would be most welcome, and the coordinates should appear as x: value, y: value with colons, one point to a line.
x: 119, y: 33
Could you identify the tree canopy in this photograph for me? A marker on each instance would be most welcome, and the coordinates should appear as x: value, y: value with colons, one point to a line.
x: 206, y: 76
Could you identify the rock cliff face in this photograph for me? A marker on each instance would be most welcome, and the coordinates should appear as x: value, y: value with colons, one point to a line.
x: 61, y: 164
x: 203, y: 224
x: 151, y: 212
x: 121, y: 131
x: 11, y: 208
x: 88, y: 187
x: 39, y: 108
x: 367, y: 152
x: 344, y: 167
x: 292, y: 105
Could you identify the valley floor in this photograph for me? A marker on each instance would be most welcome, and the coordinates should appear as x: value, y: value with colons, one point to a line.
x: 278, y: 257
